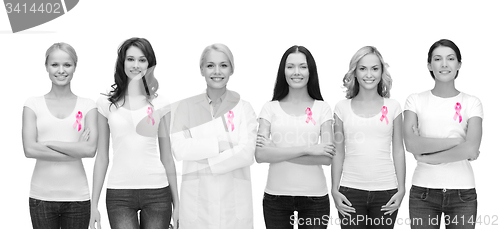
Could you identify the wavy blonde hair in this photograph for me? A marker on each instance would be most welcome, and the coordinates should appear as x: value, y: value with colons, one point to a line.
x: 352, y: 85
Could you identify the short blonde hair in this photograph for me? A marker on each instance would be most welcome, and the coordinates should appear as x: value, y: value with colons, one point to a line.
x: 221, y: 48
x: 352, y: 85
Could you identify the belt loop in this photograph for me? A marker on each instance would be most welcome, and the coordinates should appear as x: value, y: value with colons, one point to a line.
x: 444, y: 189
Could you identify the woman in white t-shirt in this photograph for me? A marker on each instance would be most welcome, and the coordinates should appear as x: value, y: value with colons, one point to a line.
x: 443, y: 130
x: 289, y: 129
x: 367, y: 185
x: 141, y: 178
x: 59, y: 129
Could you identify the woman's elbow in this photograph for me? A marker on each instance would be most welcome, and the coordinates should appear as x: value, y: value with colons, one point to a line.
x: 259, y: 156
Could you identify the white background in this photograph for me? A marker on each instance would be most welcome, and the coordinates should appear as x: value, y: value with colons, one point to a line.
x: 257, y: 32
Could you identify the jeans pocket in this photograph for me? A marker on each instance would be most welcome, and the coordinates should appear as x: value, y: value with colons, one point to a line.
x: 418, y: 193
x: 391, y: 192
x: 82, y: 203
x: 270, y: 197
x: 343, y: 189
x: 319, y: 199
x: 467, y: 195
x: 34, y: 202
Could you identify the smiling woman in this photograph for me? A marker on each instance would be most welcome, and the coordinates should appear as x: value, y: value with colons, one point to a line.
x: 59, y: 129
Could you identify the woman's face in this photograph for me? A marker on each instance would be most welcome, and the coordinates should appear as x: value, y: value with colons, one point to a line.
x: 296, y: 70
x: 60, y: 67
x: 136, y: 64
x: 369, y: 72
x: 216, y: 69
x: 444, y: 64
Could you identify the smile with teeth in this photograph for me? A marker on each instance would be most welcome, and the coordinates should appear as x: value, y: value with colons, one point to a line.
x: 444, y: 71
x: 296, y: 79
x: 369, y: 80
x: 217, y: 78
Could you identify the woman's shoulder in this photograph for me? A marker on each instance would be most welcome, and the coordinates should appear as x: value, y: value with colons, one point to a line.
x: 392, y: 102
x: 470, y: 97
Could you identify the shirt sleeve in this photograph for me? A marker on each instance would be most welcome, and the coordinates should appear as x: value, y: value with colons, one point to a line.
x: 326, y: 113
x: 266, y: 112
x: 31, y: 104
x: 411, y: 103
x: 397, y: 109
x: 103, y: 106
x: 475, y: 108
x: 338, y: 110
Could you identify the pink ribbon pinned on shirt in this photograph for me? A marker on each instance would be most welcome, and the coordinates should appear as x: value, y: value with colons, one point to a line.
x: 230, y: 117
x: 384, y: 115
x: 78, y: 121
x: 309, y: 116
x: 458, y: 108
x: 150, y: 116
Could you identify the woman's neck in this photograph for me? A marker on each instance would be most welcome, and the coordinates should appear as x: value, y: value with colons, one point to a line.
x: 367, y: 95
x: 297, y: 95
x: 215, y: 93
x: 60, y: 92
x: 134, y: 88
x: 445, y: 89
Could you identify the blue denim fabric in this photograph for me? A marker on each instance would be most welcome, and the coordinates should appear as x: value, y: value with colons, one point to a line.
x: 368, y: 206
x: 313, y: 211
x: 428, y: 205
x: 155, y: 207
x: 56, y: 214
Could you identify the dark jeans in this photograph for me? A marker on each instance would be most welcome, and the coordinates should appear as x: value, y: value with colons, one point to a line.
x: 56, y: 215
x: 428, y: 205
x: 155, y: 207
x: 313, y: 211
x: 368, y: 206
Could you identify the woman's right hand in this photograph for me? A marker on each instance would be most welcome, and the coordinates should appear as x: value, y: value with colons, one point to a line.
x: 95, y: 217
x: 342, y: 203
x: 85, y: 135
x: 323, y: 149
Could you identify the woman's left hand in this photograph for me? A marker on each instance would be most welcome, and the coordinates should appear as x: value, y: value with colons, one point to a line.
x: 262, y: 141
x: 394, y: 203
x: 175, y: 217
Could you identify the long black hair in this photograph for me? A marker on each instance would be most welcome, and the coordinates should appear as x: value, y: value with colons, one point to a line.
x: 121, y: 79
x: 281, y: 87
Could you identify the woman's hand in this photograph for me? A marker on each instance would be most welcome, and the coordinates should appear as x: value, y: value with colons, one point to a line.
x: 393, y: 203
x: 323, y: 149
x: 175, y: 217
x: 95, y: 217
x: 342, y: 203
x: 85, y: 135
x: 262, y: 141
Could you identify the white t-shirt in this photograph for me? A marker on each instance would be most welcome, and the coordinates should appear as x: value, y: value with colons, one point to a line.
x: 438, y: 118
x: 59, y: 180
x: 134, y: 135
x: 368, y: 164
x: 286, y: 178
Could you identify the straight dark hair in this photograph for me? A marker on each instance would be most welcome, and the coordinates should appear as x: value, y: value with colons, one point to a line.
x: 445, y: 43
x: 281, y: 87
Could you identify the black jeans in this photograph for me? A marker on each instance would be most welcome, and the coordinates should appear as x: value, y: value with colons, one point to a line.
x: 368, y: 206
x: 313, y: 211
x: 155, y: 206
x: 59, y: 214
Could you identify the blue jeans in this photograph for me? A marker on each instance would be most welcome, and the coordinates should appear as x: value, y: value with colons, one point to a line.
x: 56, y: 215
x: 427, y: 206
x: 368, y: 206
x: 313, y: 211
x: 155, y: 207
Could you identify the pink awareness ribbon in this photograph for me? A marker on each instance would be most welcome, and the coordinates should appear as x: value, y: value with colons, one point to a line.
x: 309, y: 116
x: 384, y: 115
x: 458, y: 108
x: 150, y: 116
x: 78, y: 121
x: 230, y: 117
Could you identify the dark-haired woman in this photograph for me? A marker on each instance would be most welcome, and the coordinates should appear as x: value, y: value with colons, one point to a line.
x: 136, y: 117
x: 289, y: 129
x: 59, y: 129
x: 443, y: 130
